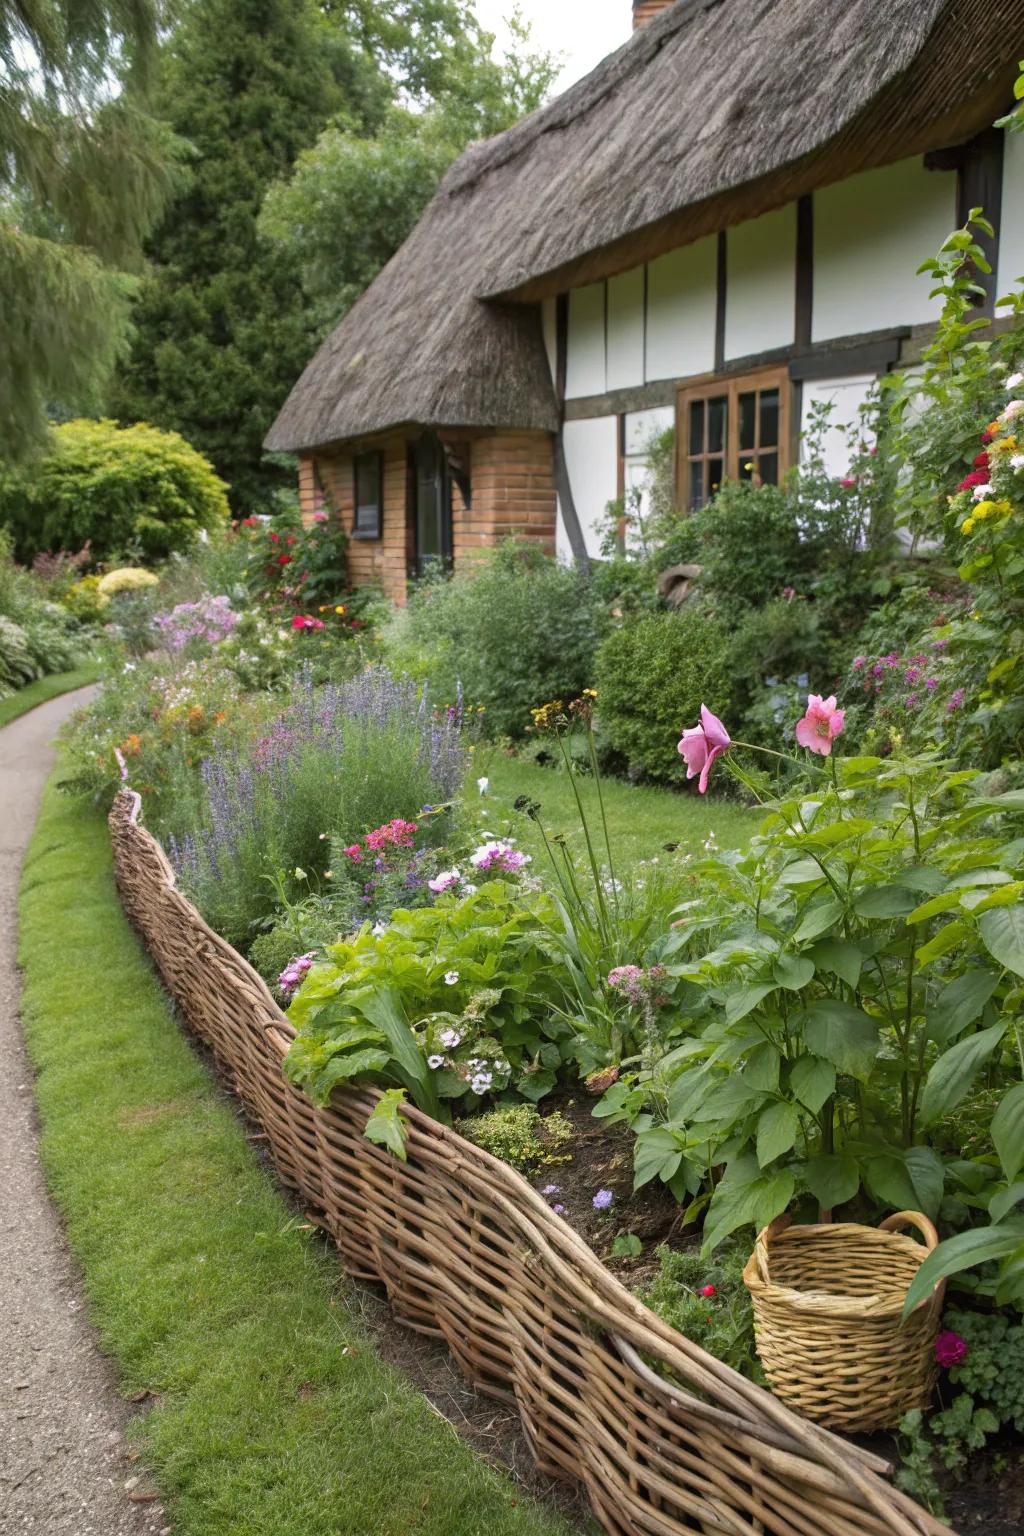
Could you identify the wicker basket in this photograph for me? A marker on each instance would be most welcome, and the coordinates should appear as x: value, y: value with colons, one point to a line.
x: 828, y: 1302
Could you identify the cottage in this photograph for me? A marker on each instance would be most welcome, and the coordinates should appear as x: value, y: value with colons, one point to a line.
x: 716, y: 228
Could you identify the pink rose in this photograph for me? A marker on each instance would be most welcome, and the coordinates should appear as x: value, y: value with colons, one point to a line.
x: 701, y: 744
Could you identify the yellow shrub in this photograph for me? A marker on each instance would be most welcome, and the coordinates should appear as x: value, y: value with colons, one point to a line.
x: 130, y: 578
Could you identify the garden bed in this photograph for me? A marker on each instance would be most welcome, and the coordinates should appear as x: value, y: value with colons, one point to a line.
x: 468, y: 1252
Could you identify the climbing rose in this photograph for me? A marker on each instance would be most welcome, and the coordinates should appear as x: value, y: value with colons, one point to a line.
x: 950, y: 1349
x: 701, y: 744
x: 820, y: 725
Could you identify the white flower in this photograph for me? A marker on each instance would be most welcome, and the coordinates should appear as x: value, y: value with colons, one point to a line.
x: 981, y: 491
x: 451, y: 978
x: 483, y: 785
x: 444, y: 881
x: 470, y: 890
x: 435, y: 1062
x: 481, y: 1083
x: 1015, y: 381
x: 1012, y: 411
x: 379, y: 928
x: 1017, y: 461
x: 450, y: 1038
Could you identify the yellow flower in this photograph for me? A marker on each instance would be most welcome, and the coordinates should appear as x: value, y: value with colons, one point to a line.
x: 967, y: 526
x: 340, y: 608
x: 1004, y: 445
x: 983, y: 510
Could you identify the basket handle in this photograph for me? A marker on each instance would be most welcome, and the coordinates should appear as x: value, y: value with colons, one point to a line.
x: 764, y: 1237
x: 912, y: 1219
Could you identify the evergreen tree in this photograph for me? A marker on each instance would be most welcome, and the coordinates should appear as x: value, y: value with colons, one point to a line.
x: 222, y: 329
x: 83, y: 174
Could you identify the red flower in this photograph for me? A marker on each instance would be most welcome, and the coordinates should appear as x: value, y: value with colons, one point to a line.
x: 290, y: 539
x: 976, y: 477
x: 709, y: 1290
x: 274, y: 538
x: 248, y: 522
x: 848, y: 482
x: 284, y: 559
x: 982, y: 460
x: 307, y: 621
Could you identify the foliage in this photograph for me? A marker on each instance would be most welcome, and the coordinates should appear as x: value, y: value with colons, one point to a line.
x: 520, y: 1135
x: 84, y: 600
x: 511, y: 630
x: 132, y: 491
x: 37, y: 636
x: 126, y: 578
x: 293, y: 567
x: 451, y: 1003
x: 722, y: 1323
x: 336, y: 761
x: 652, y: 674
x: 84, y: 172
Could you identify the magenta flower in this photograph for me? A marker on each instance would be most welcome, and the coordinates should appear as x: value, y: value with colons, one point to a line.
x: 950, y: 1349
x: 848, y: 482
x: 820, y: 725
x: 701, y: 744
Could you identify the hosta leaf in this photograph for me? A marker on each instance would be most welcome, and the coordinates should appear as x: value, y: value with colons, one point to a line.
x: 928, y: 1177
x: 961, y: 1252
x: 954, y: 1072
x: 888, y: 1178
x: 1004, y: 1200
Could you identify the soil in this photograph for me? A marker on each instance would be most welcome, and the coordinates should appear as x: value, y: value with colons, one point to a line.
x: 990, y: 1501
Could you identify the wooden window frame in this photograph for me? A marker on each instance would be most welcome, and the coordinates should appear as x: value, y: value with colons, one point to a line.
x: 711, y: 386
x: 368, y: 526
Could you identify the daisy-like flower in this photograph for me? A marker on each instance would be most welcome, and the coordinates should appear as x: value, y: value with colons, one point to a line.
x: 981, y: 492
x: 1017, y: 461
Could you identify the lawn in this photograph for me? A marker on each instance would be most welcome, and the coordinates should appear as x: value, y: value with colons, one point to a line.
x: 270, y: 1411
x: 45, y: 688
x: 641, y: 821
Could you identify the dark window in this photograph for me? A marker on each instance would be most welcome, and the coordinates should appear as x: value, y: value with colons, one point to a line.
x: 369, y: 495
x: 733, y: 429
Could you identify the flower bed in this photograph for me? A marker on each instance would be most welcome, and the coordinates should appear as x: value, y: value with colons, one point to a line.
x: 468, y: 1252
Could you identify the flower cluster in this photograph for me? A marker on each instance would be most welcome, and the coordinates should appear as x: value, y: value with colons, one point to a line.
x: 210, y: 620
x: 636, y: 985
x: 306, y: 621
x: 291, y: 977
x: 499, y: 857
x: 394, y: 834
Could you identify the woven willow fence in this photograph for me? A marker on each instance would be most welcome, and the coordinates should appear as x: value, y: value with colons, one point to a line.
x: 469, y: 1253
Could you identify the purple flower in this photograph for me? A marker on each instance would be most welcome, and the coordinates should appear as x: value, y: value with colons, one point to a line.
x: 858, y: 662
x: 500, y: 856
x: 931, y: 683
x: 551, y: 1189
x: 291, y: 977
x: 950, y: 1349
x: 911, y: 700
x: 559, y: 1210
x: 602, y: 1200
x: 912, y: 674
x: 956, y: 699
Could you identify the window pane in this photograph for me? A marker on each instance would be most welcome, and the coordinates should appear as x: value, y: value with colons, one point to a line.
x: 696, y: 485
x: 748, y: 420
x: 367, y: 493
x: 697, y: 426
x: 769, y: 418
x: 716, y: 474
x: 716, y: 423
x: 768, y: 468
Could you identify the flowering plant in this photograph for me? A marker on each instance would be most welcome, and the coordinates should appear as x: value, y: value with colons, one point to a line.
x: 207, y: 621
x: 297, y: 566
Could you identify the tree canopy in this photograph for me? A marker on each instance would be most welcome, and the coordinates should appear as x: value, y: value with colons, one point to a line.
x: 84, y: 172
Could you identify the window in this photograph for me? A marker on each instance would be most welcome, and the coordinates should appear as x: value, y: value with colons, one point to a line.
x: 735, y: 429
x: 368, y: 499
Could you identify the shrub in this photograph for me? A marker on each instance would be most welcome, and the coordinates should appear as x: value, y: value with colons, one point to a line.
x: 652, y: 677
x: 132, y: 488
x: 127, y: 578
x: 513, y: 631
x: 520, y: 1135
x: 84, y: 600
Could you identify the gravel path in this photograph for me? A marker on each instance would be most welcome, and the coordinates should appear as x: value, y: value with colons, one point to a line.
x: 63, y: 1467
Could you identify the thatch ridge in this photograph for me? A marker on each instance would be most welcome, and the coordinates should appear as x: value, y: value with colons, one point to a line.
x: 714, y: 111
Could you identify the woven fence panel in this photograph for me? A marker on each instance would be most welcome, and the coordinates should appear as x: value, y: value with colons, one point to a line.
x: 665, y: 1438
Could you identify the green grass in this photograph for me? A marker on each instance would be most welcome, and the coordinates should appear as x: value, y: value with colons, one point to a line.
x: 641, y: 820
x: 272, y: 1413
x: 45, y: 688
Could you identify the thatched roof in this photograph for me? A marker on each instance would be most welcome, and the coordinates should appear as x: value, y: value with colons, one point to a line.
x: 714, y: 112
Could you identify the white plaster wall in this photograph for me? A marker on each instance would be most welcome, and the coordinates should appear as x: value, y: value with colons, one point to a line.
x: 871, y: 232
x: 760, y: 306
x: 585, y: 367
x: 626, y: 330
x: 592, y: 461
x: 641, y: 426
x: 549, y: 326
x: 1010, y: 267
x: 846, y: 396
x: 681, y: 293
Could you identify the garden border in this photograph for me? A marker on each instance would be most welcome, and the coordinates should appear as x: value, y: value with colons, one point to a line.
x: 469, y: 1253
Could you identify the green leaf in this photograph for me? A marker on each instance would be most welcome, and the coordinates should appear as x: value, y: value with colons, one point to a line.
x: 812, y: 1080
x: 888, y: 1178
x: 777, y: 1130
x: 885, y: 901
x: 843, y: 1035
x: 381, y: 1008
x: 656, y: 1154
x: 842, y: 959
x: 954, y: 1072
x: 959, y: 1004
x: 832, y: 1179
x: 1004, y: 1200
x: 1008, y: 1132
x: 793, y: 971
x: 745, y: 999
x: 928, y: 1176
x: 1002, y: 933
x: 947, y: 938
x: 817, y: 919
x: 746, y: 1195
x: 761, y: 1067
x: 802, y: 872
x: 345, y: 1066
x: 385, y: 1125
x: 958, y: 1253
x: 944, y: 903
x: 627, y: 1246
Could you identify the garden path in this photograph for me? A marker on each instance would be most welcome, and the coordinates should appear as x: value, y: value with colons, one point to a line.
x: 62, y: 1456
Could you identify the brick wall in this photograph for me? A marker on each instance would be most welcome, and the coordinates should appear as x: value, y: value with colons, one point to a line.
x: 512, y: 478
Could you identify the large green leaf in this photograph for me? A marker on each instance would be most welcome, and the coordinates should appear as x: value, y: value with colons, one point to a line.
x: 1002, y: 933
x: 793, y: 971
x: 812, y: 1080
x: 832, y: 1179
x: 843, y: 1035
x: 817, y: 919
x: 842, y: 959
x: 959, y: 1004
x: 746, y: 1195
x: 381, y: 1007
x: 657, y: 1153
x: 745, y: 999
x: 928, y: 1176
x: 1008, y: 1132
x: 385, y: 1125
x: 954, y: 1072
x: 884, y: 901
x: 888, y: 1178
x: 947, y: 938
x: 777, y: 1129
x: 961, y: 1252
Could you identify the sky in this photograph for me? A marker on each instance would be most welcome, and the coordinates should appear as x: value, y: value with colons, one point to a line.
x: 582, y: 31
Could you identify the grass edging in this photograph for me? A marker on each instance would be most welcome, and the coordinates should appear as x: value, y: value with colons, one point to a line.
x: 271, y: 1411
x: 45, y: 688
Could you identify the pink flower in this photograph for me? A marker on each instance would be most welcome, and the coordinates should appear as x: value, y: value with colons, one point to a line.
x: 121, y: 764
x: 701, y: 744
x: 950, y: 1349
x: 848, y: 482
x: 319, y: 517
x: 354, y: 852
x: 820, y: 725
